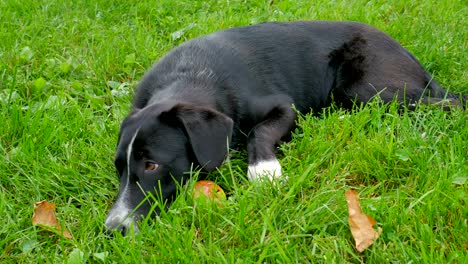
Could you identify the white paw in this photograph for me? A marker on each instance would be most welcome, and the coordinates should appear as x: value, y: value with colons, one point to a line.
x: 270, y: 169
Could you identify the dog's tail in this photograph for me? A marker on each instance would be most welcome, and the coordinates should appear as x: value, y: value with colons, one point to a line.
x: 434, y: 94
x: 437, y: 95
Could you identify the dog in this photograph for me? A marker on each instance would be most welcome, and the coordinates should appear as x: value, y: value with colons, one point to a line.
x: 239, y: 86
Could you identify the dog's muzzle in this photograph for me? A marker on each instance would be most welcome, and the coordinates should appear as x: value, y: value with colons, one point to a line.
x: 120, y: 219
x: 120, y: 222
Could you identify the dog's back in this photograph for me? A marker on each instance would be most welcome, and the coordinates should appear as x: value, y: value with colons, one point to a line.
x: 309, y: 61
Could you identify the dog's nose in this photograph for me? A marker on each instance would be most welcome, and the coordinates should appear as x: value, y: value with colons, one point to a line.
x: 124, y: 230
x: 125, y: 227
x: 110, y: 231
x: 112, y: 225
x: 119, y: 219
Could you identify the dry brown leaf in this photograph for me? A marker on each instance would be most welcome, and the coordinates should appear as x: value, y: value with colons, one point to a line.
x: 44, y: 216
x: 361, y: 225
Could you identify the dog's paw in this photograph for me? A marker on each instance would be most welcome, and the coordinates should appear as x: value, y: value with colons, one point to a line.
x: 269, y: 169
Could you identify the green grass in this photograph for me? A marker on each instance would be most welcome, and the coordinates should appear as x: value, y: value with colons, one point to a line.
x: 67, y: 72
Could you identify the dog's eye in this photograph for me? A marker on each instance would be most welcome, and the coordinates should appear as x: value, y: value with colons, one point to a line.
x: 150, y: 165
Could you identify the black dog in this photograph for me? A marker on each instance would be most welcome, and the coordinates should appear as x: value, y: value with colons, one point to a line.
x: 239, y: 85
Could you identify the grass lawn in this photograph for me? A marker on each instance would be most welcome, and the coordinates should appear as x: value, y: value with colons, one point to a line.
x: 67, y: 72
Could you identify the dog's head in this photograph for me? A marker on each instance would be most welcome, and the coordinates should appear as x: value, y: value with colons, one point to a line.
x: 157, y: 146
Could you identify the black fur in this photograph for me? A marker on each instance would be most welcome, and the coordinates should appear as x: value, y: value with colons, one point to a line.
x: 238, y: 85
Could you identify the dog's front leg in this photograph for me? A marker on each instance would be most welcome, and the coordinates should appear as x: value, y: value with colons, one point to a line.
x: 277, y: 118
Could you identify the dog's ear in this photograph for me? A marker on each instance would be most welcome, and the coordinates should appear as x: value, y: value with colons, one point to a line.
x: 208, y: 130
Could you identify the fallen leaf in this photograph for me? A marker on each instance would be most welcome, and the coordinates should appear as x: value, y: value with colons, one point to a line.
x: 361, y: 225
x: 44, y: 217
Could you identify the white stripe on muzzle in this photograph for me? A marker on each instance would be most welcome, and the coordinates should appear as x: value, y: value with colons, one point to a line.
x: 118, y: 215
